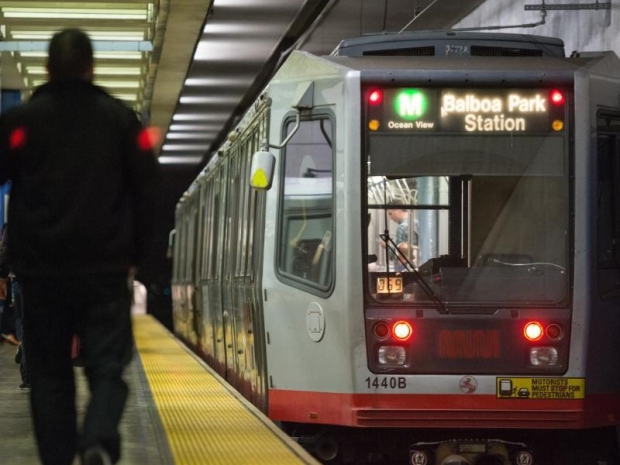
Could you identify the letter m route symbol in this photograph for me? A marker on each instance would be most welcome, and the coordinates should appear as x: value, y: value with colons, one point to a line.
x: 410, y: 104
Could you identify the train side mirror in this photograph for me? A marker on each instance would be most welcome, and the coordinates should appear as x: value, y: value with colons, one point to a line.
x: 261, y: 171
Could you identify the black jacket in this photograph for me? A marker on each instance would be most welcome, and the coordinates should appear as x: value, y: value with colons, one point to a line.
x: 85, y: 183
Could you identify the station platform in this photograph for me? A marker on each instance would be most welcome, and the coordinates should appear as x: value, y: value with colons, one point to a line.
x: 179, y: 411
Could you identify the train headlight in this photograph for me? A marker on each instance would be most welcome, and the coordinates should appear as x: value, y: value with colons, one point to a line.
x: 544, y: 356
x: 392, y: 355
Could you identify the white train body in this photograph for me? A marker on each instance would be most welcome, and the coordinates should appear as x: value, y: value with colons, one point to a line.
x: 510, y: 198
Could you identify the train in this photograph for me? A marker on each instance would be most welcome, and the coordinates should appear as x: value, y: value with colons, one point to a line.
x: 480, y: 328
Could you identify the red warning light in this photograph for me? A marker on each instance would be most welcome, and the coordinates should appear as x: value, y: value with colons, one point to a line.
x: 533, y: 331
x: 557, y: 97
x: 402, y: 330
x: 375, y: 97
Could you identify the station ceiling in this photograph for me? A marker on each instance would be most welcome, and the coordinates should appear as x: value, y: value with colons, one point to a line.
x: 192, y: 67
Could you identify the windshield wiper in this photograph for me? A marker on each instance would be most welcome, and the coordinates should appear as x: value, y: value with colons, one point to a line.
x: 391, y: 246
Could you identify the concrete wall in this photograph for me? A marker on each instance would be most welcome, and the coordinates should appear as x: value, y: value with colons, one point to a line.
x: 581, y: 30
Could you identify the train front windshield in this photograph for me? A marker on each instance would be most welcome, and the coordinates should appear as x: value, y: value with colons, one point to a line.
x: 467, y: 196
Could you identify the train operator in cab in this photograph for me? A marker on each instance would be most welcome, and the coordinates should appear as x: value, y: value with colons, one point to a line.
x: 407, y: 249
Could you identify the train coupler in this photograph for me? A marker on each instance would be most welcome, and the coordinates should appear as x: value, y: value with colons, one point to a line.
x: 470, y: 452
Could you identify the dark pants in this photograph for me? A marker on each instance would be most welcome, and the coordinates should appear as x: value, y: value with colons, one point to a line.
x: 19, y: 328
x: 97, y: 309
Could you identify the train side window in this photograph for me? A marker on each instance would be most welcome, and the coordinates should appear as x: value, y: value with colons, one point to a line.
x: 306, y: 209
x: 608, y: 205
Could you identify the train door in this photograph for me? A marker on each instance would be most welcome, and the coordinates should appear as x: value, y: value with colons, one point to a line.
x: 209, y: 237
x: 216, y: 266
x: 190, y: 272
x: 178, y: 287
x: 232, y: 246
x: 244, y: 297
x: 196, y: 270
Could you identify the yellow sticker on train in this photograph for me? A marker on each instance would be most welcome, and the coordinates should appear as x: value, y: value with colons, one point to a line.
x: 541, y: 388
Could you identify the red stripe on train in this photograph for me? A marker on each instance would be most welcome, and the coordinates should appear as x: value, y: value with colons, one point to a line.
x: 441, y: 411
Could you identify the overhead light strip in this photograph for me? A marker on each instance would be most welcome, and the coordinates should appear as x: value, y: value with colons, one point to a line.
x: 211, y: 116
x: 184, y: 160
x: 119, y: 36
x: 195, y: 127
x: 197, y: 136
x: 232, y: 99
x: 184, y: 147
x: 99, y: 70
x: 115, y: 84
x: 73, y: 13
x: 108, y: 45
x: 221, y: 82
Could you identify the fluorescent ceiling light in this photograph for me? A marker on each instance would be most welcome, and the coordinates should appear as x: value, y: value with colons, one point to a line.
x: 99, y: 70
x: 210, y: 99
x: 111, y: 85
x: 235, y: 29
x: 74, y: 13
x: 32, y: 35
x: 222, y: 82
x: 120, y: 36
x: 184, y: 147
x: 180, y: 160
x: 224, y: 50
x: 98, y: 55
x: 191, y: 135
x: 237, y: 3
x: 223, y: 28
x: 211, y: 116
x: 114, y: 84
x: 127, y: 97
x: 118, y: 55
x: 195, y: 127
x: 33, y: 54
x: 116, y: 36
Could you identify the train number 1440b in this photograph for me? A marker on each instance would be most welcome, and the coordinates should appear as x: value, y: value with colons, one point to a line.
x: 384, y: 382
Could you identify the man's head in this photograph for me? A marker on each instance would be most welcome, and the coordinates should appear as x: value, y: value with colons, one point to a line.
x: 396, y: 213
x: 70, y: 56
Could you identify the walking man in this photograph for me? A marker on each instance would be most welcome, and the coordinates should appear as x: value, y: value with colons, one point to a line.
x: 84, y: 193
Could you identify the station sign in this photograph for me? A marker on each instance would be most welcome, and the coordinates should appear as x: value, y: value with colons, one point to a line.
x: 465, y: 111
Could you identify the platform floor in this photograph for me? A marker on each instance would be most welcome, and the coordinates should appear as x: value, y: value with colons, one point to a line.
x: 179, y: 411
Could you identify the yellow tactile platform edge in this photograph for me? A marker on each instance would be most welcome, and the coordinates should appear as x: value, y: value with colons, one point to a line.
x: 205, y: 422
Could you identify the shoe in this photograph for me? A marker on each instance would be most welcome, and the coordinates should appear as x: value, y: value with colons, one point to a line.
x: 18, y: 354
x: 24, y: 387
x: 11, y: 338
x: 96, y: 456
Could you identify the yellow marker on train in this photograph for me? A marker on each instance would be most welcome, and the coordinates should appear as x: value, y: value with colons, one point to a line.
x: 259, y: 179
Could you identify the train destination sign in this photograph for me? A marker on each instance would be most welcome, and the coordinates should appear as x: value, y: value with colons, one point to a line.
x: 472, y: 111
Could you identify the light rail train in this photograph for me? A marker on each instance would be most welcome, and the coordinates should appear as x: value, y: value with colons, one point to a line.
x: 416, y: 241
